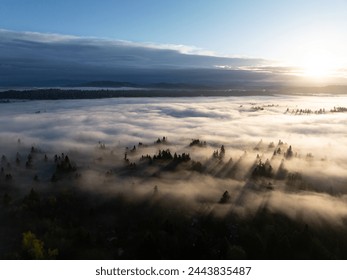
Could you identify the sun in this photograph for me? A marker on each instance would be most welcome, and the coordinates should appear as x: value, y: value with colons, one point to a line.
x: 318, y: 64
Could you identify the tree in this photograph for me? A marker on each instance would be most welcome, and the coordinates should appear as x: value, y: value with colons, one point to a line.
x: 289, y: 153
x: 262, y: 169
x: 6, y: 199
x: 222, y: 152
x: 155, y: 191
x: 32, y: 246
x: 225, y: 198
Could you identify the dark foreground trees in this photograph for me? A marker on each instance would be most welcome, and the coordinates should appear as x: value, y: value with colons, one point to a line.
x: 70, y: 224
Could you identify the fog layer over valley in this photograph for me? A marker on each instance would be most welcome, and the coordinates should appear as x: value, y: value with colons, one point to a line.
x: 230, y: 173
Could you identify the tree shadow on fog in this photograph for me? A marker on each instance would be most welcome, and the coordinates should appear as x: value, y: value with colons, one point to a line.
x: 69, y: 224
x: 59, y: 219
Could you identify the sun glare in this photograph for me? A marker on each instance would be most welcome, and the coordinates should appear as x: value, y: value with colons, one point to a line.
x: 318, y: 64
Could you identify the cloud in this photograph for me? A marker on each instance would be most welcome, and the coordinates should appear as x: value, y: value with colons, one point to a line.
x: 53, y: 38
x: 75, y: 127
x: 29, y: 58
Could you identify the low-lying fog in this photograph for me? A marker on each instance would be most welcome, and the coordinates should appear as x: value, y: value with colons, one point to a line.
x: 306, y: 181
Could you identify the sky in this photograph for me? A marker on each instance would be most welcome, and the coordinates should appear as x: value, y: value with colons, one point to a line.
x: 309, y: 34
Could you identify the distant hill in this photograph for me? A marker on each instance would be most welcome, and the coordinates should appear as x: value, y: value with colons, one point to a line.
x: 179, y: 86
x: 334, y: 89
x: 106, y: 84
x: 117, y: 84
x: 111, y: 89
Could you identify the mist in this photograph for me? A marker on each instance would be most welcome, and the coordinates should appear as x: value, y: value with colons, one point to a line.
x: 114, y: 148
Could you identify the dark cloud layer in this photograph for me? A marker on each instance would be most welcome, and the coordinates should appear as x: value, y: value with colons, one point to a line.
x: 34, y: 59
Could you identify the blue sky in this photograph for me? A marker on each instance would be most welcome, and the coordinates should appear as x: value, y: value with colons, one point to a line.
x: 270, y: 29
x: 306, y: 38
